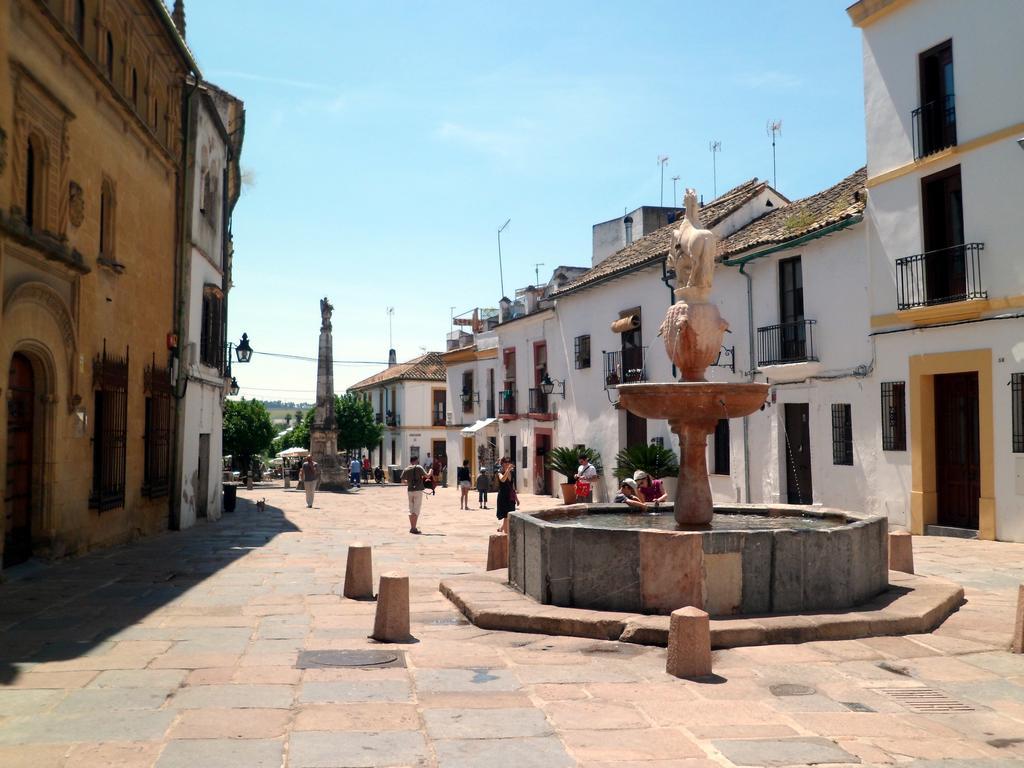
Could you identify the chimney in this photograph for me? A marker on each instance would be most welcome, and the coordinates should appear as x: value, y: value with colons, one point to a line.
x: 178, y: 17
x: 392, y: 358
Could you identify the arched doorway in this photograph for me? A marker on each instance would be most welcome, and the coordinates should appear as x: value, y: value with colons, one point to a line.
x: 21, y: 398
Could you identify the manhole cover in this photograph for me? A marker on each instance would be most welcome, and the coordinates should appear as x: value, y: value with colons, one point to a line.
x: 319, y: 659
x: 791, y: 689
x: 926, y: 700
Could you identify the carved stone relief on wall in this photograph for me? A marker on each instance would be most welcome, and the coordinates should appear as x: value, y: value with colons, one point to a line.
x: 76, y: 204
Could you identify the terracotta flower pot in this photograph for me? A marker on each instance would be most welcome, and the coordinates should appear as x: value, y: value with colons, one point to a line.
x: 569, y: 493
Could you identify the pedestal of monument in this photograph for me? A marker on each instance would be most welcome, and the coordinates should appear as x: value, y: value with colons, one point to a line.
x: 323, y: 447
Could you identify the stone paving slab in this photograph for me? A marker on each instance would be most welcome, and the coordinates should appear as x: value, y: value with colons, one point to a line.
x: 772, y: 752
x: 202, y: 629
x: 915, y: 604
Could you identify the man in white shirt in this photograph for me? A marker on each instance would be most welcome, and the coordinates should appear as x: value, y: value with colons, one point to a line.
x: 588, y: 475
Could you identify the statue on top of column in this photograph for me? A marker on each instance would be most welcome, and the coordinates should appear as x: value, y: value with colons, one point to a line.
x: 325, y: 314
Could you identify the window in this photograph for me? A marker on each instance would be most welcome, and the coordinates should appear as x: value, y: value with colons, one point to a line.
x: 157, y: 438
x: 211, y: 342
x: 792, y: 339
x: 842, y: 434
x: 467, y: 391
x: 894, y: 416
x: 33, y: 181
x: 582, y: 349
x: 107, y: 219
x: 78, y: 23
x: 935, y: 119
x: 440, y: 402
x: 109, y: 61
x: 110, y: 420
x: 721, y: 466
x: 1017, y: 411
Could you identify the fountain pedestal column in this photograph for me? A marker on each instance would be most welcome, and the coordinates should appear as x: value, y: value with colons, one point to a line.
x: 693, y: 502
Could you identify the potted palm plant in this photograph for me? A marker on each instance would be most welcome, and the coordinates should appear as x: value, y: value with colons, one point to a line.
x: 566, y: 462
x: 656, y: 460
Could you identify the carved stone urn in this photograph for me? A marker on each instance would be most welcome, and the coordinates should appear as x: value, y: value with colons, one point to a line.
x: 693, y: 330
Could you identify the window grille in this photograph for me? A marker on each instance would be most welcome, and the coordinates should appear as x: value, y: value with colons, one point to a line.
x: 211, y: 340
x: 156, y: 472
x: 722, y: 447
x: 842, y: 434
x: 894, y: 416
x: 1017, y: 393
x: 110, y: 429
x: 582, y: 346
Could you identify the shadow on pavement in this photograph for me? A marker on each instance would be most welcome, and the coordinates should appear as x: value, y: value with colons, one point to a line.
x: 66, y: 609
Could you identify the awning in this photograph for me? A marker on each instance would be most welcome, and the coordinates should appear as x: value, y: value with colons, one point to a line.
x: 472, y: 429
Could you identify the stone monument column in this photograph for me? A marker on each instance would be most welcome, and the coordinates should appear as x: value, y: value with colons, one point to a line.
x: 323, y: 435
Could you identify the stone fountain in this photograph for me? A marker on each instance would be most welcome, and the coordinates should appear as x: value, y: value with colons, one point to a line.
x: 693, y: 330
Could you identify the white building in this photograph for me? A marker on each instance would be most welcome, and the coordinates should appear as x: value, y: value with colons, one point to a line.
x: 212, y: 186
x: 410, y: 400
x: 945, y: 178
x: 473, y: 387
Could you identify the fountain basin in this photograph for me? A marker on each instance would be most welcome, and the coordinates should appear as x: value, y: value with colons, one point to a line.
x: 692, y: 401
x: 571, y: 557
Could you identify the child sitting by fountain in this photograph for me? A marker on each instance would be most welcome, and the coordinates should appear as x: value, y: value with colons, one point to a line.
x: 627, y: 495
x: 649, y: 489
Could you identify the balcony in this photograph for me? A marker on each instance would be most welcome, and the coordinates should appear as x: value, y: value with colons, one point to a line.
x: 538, y: 401
x: 785, y: 352
x: 392, y: 419
x: 942, y: 276
x: 624, y: 367
x: 934, y: 126
x: 507, y: 402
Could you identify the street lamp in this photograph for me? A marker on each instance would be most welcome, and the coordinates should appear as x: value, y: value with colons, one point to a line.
x: 243, y: 351
x: 547, y: 386
x: 234, y: 389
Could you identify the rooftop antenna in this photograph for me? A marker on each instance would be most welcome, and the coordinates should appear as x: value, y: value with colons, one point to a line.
x: 390, y: 314
x: 715, y: 147
x: 674, y: 180
x: 501, y: 272
x: 663, y: 161
x: 774, y: 128
x: 536, y: 272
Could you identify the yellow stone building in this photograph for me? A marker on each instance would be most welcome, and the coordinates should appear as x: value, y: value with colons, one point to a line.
x: 90, y: 147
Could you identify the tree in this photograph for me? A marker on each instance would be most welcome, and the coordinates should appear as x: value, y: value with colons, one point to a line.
x: 287, y: 419
x: 357, y: 426
x: 248, y: 430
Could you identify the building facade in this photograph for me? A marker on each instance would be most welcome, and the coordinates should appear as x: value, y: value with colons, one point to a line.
x: 90, y: 150
x: 944, y: 168
x: 410, y: 399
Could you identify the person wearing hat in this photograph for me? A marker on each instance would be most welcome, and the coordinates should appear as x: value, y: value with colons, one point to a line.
x: 627, y: 495
x: 649, y: 489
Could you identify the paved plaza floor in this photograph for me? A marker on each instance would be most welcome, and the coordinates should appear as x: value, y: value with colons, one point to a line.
x: 181, y: 651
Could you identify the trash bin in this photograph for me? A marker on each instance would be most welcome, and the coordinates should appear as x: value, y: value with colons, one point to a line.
x: 230, y: 490
x: 395, y: 472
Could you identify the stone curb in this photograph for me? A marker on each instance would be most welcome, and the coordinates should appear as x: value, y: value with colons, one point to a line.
x: 912, y: 605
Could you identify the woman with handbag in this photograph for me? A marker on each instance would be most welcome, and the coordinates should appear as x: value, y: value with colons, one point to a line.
x: 506, y: 492
x: 585, y: 479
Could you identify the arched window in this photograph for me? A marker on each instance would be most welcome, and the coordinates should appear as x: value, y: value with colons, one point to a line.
x: 79, y: 21
x: 110, y: 55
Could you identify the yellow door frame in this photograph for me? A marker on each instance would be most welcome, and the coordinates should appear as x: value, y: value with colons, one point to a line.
x: 923, y: 490
x: 468, y: 453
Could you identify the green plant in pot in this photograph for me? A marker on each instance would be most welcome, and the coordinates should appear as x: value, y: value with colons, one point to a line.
x: 656, y: 460
x: 566, y: 462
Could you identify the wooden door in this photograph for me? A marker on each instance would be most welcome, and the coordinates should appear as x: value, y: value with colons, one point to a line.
x: 792, y: 333
x: 799, y: 489
x: 20, y: 431
x: 636, y: 430
x: 542, y: 475
x: 957, y: 449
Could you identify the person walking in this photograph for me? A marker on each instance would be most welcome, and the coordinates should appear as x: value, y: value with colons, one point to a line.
x: 367, y: 469
x: 506, y: 492
x: 414, y: 477
x: 483, y: 485
x: 309, y: 474
x: 355, y: 472
x: 462, y: 474
x: 585, y: 480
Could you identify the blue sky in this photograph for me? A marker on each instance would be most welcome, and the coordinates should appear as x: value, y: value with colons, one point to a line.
x: 388, y: 141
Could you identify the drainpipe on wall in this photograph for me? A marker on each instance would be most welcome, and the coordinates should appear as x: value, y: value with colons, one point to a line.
x: 750, y: 375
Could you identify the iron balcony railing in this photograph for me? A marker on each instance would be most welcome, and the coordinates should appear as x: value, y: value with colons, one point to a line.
x: 507, y: 402
x: 392, y: 419
x: 624, y: 367
x: 538, y: 401
x: 940, y: 277
x: 438, y: 417
x: 934, y: 126
x: 783, y: 343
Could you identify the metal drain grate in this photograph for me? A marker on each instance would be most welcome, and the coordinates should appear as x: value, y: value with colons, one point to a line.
x: 371, y: 659
x: 925, y: 700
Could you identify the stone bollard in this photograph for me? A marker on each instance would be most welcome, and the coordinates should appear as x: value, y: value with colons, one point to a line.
x: 497, y: 551
x: 689, y: 643
x: 359, y: 572
x: 1018, y: 631
x: 901, y: 552
x: 391, y: 624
